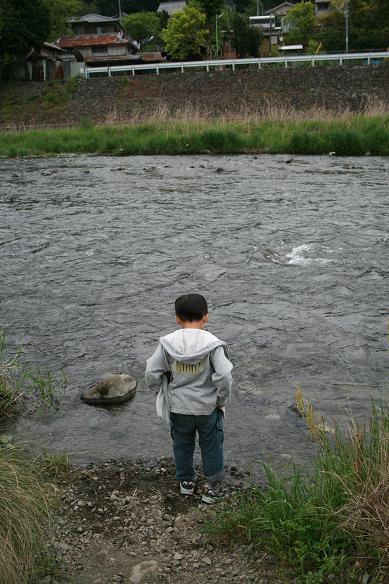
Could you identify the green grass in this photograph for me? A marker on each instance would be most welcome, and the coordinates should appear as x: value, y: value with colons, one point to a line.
x: 349, y: 136
x: 334, y: 520
x: 25, y: 503
x: 54, y: 465
x: 18, y: 380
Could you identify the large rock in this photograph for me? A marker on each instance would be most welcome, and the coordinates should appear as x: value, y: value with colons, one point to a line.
x: 114, y: 389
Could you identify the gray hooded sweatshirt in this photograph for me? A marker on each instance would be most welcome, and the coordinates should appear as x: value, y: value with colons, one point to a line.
x: 198, y: 369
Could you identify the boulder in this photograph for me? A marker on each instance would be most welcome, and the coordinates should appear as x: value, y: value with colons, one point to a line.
x: 113, y: 389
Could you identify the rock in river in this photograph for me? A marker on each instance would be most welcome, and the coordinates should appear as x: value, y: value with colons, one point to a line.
x: 113, y: 389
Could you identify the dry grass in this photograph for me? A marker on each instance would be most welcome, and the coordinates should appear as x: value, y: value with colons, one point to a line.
x: 366, y: 512
x: 268, y: 110
x: 24, y: 511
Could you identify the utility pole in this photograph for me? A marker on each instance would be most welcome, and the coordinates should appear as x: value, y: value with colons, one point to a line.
x: 346, y: 16
x: 217, y: 34
x: 270, y: 25
x: 259, y: 2
x: 120, y: 11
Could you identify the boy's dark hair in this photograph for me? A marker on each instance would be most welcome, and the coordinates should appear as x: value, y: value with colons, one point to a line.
x: 190, y: 307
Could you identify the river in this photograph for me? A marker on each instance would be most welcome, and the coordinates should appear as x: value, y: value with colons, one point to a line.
x: 292, y: 254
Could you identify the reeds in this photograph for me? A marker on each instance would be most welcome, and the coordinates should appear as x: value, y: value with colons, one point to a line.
x: 333, y: 519
x: 345, y: 135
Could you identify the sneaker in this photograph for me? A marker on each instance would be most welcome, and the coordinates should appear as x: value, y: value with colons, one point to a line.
x: 187, y: 487
x: 214, y: 493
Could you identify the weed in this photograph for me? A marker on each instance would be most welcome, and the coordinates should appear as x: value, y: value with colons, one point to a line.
x: 54, y: 464
x: 17, y: 380
x: 24, y: 510
x: 333, y: 520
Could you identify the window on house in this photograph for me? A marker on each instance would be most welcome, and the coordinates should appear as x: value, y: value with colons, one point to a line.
x: 99, y: 29
x: 99, y: 49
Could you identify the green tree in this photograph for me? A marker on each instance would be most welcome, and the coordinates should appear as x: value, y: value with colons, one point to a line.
x: 186, y: 34
x: 300, y: 21
x: 110, y: 7
x: 368, y: 25
x: 143, y: 25
x: 25, y: 25
x: 58, y: 12
x: 211, y: 7
x: 244, y: 39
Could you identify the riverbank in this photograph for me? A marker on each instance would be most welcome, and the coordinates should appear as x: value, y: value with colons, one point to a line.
x: 342, y: 136
x: 125, y: 522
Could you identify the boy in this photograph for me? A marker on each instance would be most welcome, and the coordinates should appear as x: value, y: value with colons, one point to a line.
x: 199, y: 382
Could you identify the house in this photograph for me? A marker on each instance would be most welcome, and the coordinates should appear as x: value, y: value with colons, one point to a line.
x: 268, y: 25
x: 322, y: 7
x: 45, y: 63
x: 98, y: 40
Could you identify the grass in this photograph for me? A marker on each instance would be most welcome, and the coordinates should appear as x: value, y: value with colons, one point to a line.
x: 17, y: 380
x: 334, y: 520
x: 54, y: 465
x: 350, y: 135
x: 25, y: 503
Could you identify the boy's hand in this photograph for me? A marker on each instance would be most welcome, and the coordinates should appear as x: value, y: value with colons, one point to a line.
x: 223, y: 410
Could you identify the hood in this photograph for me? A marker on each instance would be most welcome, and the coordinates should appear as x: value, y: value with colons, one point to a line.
x: 187, y: 345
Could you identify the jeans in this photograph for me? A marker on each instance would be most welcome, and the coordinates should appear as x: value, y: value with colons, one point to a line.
x: 210, y: 429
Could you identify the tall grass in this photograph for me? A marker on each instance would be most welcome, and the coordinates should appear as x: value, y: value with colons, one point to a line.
x: 348, y: 135
x: 332, y: 521
x: 24, y: 514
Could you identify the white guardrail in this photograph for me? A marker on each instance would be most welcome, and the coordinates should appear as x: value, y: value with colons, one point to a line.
x: 235, y: 63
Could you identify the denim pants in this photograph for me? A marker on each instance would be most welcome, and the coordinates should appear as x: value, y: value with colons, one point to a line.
x: 210, y: 429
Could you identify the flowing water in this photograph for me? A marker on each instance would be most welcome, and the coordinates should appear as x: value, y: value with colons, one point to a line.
x: 292, y: 254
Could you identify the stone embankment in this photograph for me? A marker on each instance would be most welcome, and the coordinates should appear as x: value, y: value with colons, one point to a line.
x: 106, y: 100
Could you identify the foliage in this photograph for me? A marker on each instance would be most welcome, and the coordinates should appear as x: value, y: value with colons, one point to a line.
x: 186, y: 35
x: 300, y: 21
x: 211, y: 7
x: 141, y: 26
x: 245, y: 39
x: 24, y: 511
x: 58, y: 12
x: 334, y: 521
x: 110, y: 7
x: 25, y: 25
x: 368, y: 25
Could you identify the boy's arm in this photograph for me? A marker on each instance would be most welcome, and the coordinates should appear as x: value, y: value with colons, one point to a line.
x: 222, y: 377
x: 156, y: 366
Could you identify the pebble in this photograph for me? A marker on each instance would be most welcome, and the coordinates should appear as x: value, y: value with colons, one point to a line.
x: 169, y: 530
x: 177, y: 556
x: 207, y: 561
x: 80, y: 529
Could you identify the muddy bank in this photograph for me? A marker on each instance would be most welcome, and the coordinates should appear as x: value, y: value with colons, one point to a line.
x: 125, y: 522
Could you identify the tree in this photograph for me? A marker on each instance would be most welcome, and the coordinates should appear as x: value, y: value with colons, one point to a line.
x: 368, y: 25
x: 141, y: 26
x: 244, y: 39
x: 58, y: 12
x: 186, y: 34
x: 300, y: 21
x: 110, y: 7
x: 25, y: 25
x: 211, y: 7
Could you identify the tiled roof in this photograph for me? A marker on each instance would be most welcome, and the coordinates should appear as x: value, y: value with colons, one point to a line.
x: 93, y: 39
x: 93, y: 18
